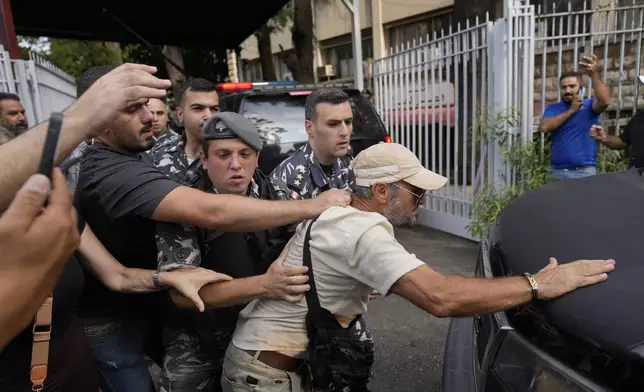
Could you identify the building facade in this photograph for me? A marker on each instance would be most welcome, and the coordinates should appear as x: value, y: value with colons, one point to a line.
x: 385, y: 26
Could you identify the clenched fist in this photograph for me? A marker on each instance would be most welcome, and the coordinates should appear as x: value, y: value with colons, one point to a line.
x: 577, y: 103
x: 597, y: 133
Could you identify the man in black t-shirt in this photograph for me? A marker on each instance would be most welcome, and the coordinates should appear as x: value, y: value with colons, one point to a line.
x: 121, y: 196
x: 632, y: 136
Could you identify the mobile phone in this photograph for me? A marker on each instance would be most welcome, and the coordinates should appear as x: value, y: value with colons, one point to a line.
x: 50, y: 150
x: 581, y: 92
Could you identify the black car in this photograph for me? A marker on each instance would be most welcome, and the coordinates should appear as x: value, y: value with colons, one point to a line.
x: 589, y: 340
x: 277, y: 108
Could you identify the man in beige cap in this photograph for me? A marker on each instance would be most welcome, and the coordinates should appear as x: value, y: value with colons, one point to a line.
x: 353, y: 251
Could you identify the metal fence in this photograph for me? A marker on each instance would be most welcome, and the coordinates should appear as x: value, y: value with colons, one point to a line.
x: 440, y: 96
x: 612, y: 31
x: 42, y: 87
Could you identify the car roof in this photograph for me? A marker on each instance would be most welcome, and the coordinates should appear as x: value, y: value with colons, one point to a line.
x: 281, y: 89
x: 597, y: 217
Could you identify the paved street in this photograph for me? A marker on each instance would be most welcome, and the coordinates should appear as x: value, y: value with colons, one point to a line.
x: 409, y: 342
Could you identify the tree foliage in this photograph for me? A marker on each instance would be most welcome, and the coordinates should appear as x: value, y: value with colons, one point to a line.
x: 72, y: 56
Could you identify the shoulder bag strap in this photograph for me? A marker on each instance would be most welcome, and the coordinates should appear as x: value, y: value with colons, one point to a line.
x: 40, y: 348
x: 312, y: 300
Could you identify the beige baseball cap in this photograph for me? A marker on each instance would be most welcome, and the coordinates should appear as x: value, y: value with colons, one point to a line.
x: 392, y: 162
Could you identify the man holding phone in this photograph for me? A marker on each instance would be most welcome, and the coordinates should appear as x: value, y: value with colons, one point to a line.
x: 574, y: 152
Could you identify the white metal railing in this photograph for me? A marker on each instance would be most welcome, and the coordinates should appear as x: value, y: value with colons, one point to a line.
x: 433, y: 94
x: 42, y: 87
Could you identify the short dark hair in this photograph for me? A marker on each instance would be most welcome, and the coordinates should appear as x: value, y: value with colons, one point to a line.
x: 330, y: 95
x: 200, y: 85
x: 9, y: 97
x: 572, y: 74
x: 90, y: 76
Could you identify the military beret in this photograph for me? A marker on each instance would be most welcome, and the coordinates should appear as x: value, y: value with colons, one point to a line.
x: 231, y: 125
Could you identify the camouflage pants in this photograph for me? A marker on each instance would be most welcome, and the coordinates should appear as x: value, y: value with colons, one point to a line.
x: 188, y: 365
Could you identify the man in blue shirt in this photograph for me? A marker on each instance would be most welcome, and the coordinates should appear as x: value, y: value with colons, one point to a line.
x: 574, y: 152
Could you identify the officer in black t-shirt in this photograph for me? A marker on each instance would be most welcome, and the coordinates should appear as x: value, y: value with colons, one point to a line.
x: 632, y: 136
x: 121, y: 195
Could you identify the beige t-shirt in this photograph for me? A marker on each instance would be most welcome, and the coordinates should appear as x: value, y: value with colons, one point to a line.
x: 352, y: 252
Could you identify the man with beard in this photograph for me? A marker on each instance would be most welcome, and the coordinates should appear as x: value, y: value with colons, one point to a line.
x: 12, y: 114
x: 194, y: 342
x: 352, y: 251
x: 122, y: 196
x: 574, y: 152
x: 160, y: 127
x: 178, y: 156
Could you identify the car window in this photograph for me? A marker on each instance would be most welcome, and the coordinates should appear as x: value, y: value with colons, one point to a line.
x: 280, y: 118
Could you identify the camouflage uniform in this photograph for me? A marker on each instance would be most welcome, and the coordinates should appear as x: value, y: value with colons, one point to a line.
x: 168, y: 155
x: 191, y: 363
x: 166, y: 135
x: 178, y: 245
x: 72, y: 164
x: 301, y: 176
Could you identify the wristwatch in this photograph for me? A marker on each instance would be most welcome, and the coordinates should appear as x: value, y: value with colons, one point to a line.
x: 533, y: 284
x: 155, y: 279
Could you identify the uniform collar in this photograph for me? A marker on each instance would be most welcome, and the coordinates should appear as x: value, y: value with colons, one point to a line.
x: 253, y: 188
x: 318, y: 176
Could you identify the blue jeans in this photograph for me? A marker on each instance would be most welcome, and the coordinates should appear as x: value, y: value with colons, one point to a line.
x: 118, y: 349
x: 571, y: 174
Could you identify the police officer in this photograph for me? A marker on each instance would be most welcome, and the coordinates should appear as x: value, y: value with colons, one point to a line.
x: 195, y: 343
x: 160, y: 127
x: 323, y: 162
x: 178, y: 156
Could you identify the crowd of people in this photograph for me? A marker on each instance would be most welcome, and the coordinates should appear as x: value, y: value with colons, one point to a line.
x: 147, y: 244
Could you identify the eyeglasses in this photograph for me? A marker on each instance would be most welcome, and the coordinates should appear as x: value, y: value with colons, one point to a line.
x: 418, y: 197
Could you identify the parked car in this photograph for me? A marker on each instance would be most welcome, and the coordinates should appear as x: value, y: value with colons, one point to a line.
x: 277, y: 109
x: 589, y: 340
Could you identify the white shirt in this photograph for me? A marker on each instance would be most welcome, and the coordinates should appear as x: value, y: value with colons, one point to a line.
x: 352, y: 252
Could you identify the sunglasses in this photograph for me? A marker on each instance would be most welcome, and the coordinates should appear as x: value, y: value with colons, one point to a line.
x: 418, y: 197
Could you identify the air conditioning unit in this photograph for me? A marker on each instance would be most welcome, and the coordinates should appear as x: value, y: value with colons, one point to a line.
x: 327, y: 71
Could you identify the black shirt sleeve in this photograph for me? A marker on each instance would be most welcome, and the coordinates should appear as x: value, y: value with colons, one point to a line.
x: 126, y: 186
x: 81, y: 222
x: 626, y: 134
x: 636, y: 121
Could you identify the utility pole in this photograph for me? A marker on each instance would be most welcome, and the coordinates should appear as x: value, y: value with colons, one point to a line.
x: 356, y: 34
